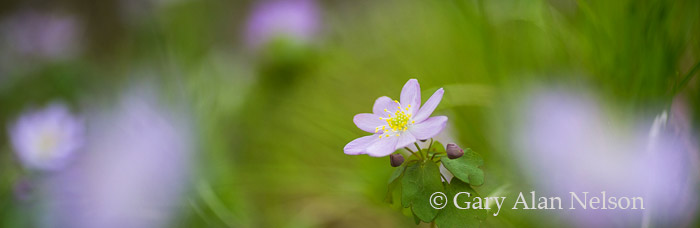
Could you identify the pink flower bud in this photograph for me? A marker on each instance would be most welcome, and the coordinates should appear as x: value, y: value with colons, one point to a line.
x: 453, y: 151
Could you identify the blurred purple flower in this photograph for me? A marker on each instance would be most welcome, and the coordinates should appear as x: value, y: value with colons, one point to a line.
x: 37, y: 35
x: 134, y: 172
x: 47, y: 139
x: 397, y: 124
x: 297, y: 20
x: 569, y: 145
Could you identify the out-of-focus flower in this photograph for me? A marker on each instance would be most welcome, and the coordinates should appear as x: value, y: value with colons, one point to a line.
x: 397, y: 124
x: 297, y: 20
x: 47, y: 139
x: 135, y: 170
x: 569, y: 145
x: 38, y: 35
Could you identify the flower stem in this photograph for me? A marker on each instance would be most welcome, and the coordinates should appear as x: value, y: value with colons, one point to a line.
x: 414, y: 154
x: 419, y: 149
x: 431, y: 144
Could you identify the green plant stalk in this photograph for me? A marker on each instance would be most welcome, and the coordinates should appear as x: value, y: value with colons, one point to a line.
x: 414, y: 154
x: 420, y: 150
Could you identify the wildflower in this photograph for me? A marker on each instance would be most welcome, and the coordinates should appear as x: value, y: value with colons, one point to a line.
x: 42, y: 35
x: 568, y: 144
x: 46, y: 139
x: 297, y: 20
x: 136, y: 163
x: 397, y: 124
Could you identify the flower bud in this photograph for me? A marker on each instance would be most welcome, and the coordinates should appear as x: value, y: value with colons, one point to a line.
x: 453, y: 151
x: 396, y: 160
x: 23, y: 189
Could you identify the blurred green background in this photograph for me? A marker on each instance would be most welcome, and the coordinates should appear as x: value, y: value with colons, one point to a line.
x: 271, y: 120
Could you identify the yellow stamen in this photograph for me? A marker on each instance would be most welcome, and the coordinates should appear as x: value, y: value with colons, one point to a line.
x: 399, y: 121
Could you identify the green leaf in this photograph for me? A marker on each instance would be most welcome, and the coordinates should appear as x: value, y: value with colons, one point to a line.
x: 451, y: 216
x: 396, y: 174
x: 394, y: 181
x: 416, y: 219
x: 393, y: 195
x: 411, y: 158
x: 419, y: 182
x: 466, y: 168
x: 437, y: 147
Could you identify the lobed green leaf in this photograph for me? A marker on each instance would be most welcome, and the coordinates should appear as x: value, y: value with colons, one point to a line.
x: 419, y: 182
x: 466, y: 168
x: 451, y: 216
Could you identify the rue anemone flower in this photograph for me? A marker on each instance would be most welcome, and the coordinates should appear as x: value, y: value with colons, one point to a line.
x: 397, y: 124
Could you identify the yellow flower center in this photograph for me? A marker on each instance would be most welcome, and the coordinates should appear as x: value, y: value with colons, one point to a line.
x: 47, y: 143
x: 397, y: 121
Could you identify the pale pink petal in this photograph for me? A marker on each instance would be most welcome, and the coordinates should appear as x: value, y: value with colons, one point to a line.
x: 429, y: 106
x: 359, y: 145
x: 383, y: 103
x: 383, y: 147
x: 368, y: 122
x: 428, y: 128
x: 405, y: 139
x: 410, y: 95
